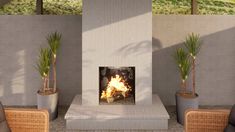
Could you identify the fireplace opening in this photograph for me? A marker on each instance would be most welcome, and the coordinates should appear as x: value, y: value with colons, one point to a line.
x: 116, y: 85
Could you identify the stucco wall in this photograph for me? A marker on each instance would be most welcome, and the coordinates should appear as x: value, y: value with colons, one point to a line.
x: 215, y: 71
x: 20, y: 40
x: 22, y: 36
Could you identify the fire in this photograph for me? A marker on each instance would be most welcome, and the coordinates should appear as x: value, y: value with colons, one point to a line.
x: 116, y: 85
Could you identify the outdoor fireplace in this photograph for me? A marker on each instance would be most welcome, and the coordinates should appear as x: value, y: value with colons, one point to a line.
x: 116, y: 85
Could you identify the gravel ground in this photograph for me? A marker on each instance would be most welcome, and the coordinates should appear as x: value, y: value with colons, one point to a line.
x: 59, y: 125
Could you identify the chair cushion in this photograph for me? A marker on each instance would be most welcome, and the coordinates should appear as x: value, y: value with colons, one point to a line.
x: 4, y: 127
x: 229, y: 128
x: 232, y: 116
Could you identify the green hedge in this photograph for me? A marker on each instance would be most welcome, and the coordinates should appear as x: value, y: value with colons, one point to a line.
x: 74, y: 7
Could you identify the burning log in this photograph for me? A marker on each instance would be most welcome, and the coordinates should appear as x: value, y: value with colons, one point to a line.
x: 116, y: 89
x: 110, y: 99
x: 120, y: 93
x: 117, y: 95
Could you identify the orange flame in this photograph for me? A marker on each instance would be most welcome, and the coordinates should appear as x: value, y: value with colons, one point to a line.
x: 115, y: 85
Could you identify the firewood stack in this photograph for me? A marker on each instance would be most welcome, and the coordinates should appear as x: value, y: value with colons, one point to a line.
x: 116, y: 95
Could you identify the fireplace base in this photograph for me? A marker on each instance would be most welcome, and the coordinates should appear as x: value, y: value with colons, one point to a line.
x: 116, y: 117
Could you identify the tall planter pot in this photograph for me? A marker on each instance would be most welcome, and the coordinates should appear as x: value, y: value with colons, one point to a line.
x: 183, y: 103
x: 49, y: 102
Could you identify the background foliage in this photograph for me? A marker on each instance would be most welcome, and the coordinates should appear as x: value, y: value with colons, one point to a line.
x: 74, y: 7
x: 212, y: 7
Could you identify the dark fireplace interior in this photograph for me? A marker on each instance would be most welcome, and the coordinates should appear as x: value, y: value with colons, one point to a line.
x: 116, y: 85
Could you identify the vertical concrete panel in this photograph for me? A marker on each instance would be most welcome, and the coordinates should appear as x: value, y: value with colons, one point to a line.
x: 117, y: 33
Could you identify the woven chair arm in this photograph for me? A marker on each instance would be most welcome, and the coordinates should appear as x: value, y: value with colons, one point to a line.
x: 27, y: 120
x: 204, y: 120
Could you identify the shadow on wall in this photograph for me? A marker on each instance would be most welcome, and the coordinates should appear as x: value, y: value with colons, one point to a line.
x: 20, y: 40
x: 133, y: 49
x: 165, y: 72
x: 69, y: 66
x: 143, y: 78
x: 114, y: 7
x: 215, y: 71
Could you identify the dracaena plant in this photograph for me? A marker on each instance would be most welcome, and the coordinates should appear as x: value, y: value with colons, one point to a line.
x: 54, y: 41
x: 184, y: 66
x: 193, y: 46
x: 43, y: 67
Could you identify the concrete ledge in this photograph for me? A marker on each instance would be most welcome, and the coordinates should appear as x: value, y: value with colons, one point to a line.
x: 104, y: 117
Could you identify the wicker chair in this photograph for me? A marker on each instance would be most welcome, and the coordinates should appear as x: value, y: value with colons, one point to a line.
x: 27, y: 120
x: 204, y: 120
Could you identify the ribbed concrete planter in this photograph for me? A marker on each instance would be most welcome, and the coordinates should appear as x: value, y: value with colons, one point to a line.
x: 183, y: 103
x: 49, y: 102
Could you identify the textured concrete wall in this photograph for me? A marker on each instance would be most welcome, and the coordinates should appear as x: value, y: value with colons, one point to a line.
x: 22, y: 36
x: 117, y: 33
x: 20, y: 40
x: 215, y: 71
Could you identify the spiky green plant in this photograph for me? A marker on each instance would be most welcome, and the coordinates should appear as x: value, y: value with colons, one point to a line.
x: 184, y: 66
x: 43, y: 65
x: 54, y: 43
x: 193, y: 46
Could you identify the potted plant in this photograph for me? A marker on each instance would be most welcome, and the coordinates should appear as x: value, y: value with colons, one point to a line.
x: 47, y: 97
x: 54, y: 44
x: 185, y: 60
x: 193, y: 45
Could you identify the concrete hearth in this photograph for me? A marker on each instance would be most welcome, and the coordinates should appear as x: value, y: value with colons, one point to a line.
x: 117, y: 33
x: 128, y: 117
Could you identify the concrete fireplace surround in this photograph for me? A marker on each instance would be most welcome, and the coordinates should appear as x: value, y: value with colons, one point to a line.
x: 117, y: 33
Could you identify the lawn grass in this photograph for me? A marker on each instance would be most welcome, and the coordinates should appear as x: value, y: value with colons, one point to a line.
x: 63, y: 7
x: 19, y: 7
x: 212, y: 7
x: 74, y: 7
x: 54, y: 7
x: 233, y: 1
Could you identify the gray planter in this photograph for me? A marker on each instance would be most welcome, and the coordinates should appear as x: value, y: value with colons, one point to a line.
x: 49, y: 102
x: 182, y: 104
